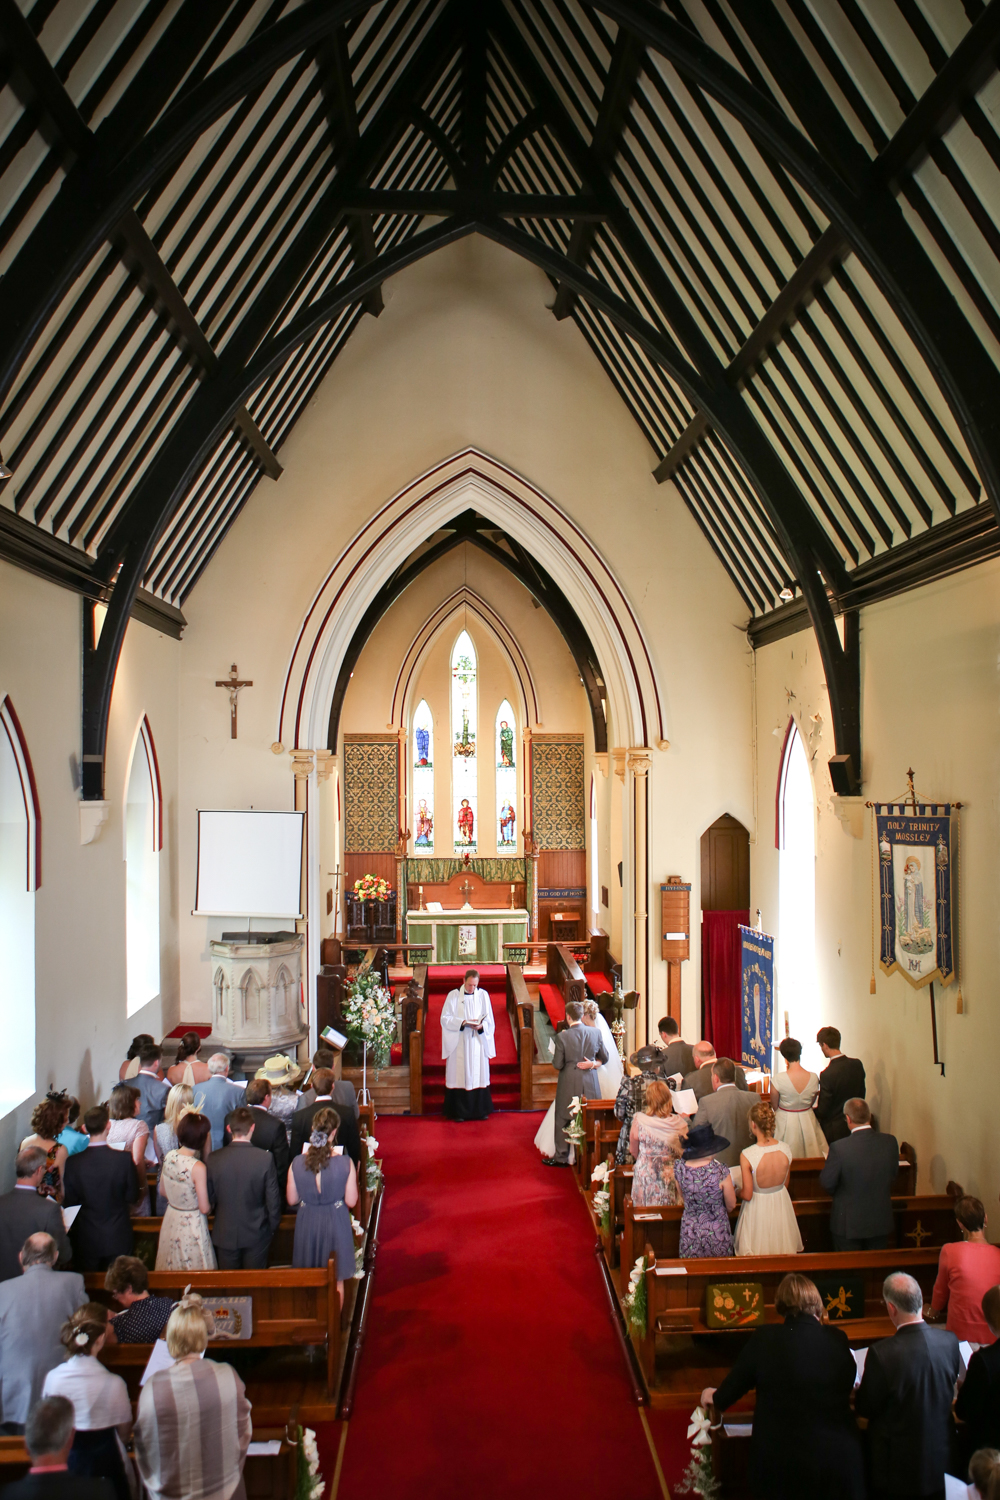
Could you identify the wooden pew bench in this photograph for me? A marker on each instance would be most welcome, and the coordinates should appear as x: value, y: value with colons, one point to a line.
x: 265, y: 1476
x: 563, y: 982
x: 804, y: 1176
x: 598, y: 1118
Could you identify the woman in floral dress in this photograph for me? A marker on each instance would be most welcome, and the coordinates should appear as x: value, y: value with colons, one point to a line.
x: 708, y: 1193
x: 184, y: 1239
x: 655, y: 1141
x: 631, y: 1091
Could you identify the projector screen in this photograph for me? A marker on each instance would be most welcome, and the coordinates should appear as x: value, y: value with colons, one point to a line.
x: 249, y: 864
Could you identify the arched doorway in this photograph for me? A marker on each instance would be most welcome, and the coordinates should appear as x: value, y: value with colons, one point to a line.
x: 725, y: 903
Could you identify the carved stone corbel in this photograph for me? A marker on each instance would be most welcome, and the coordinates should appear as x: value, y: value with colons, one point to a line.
x: 619, y: 757
x: 93, y: 816
x: 851, y: 812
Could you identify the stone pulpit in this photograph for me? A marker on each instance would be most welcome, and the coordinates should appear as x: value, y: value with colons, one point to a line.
x: 256, y: 998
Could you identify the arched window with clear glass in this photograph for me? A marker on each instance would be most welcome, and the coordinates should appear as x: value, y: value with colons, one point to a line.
x: 423, y: 779
x: 20, y: 877
x: 506, y: 742
x: 796, y: 945
x: 464, y: 779
x: 143, y: 842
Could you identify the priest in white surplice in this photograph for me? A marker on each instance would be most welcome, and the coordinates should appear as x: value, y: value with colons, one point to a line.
x: 467, y: 1045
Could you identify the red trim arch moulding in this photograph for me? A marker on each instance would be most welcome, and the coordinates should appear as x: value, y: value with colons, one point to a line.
x: 29, y: 792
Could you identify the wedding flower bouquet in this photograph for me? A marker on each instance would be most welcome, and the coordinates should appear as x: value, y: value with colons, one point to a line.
x: 698, y: 1478
x: 635, y: 1297
x: 358, y: 1231
x: 370, y: 1016
x: 601, y: 1198
x: 574, y: 1130
x: 372, y: 888
x: 309, y: 1482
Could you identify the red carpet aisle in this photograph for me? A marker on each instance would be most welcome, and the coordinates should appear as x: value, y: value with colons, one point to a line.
x: 505, y: 1075
x: 491, y: 1367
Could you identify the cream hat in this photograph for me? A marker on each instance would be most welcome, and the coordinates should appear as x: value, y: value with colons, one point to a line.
x: 279, y: 1069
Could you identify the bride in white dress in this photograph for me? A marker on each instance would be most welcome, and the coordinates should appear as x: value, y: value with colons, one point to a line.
x: 767, y: 1224
x: 609, y: 1076
x: 792, y: 1095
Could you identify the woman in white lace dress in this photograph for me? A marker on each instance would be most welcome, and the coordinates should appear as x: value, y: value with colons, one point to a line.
x: 793, y: 1093
x: 767, y: 1224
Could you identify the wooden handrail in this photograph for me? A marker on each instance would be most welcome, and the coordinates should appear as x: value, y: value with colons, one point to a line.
x: 417, y: 1067
x: 522, y: 1012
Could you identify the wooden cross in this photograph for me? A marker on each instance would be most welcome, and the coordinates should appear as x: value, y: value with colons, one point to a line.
x: 233, y: 683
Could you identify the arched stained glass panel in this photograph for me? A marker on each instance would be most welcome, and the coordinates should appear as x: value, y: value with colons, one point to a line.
x: 506, y: 752
x: 464, y: 704
x: 423, y: 779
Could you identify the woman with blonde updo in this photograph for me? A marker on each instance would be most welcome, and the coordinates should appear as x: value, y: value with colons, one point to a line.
x: 193, y: 1426
x: 767, y: 1223
x: 325, y: 1185
x: 102, y: 1411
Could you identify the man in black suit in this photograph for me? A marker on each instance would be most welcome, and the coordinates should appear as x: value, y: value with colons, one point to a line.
x: 22, y: 1212
x: 105, y: 1184
x: 243, y: 1190
x: 48, y: 1437
x: 344, y: 1095
x: 678, y: 1055
x: 843, y: 1078
x: 269, y: 1134
x: 859, y: 1175
x: 906, y: 1393
x: 348, y: 1135
x: 978, y: 1404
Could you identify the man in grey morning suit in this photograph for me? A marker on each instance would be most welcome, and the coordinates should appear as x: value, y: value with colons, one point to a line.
x: 579, y: 1051
x: 33, y: 1309
x: 859, y: 1175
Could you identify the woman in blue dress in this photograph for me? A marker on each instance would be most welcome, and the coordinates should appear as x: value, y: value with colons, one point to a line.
x: 709, y: 1195
x: 325, y: 1187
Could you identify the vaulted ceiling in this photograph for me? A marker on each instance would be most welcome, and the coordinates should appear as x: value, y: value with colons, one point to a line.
x: 774, y: 222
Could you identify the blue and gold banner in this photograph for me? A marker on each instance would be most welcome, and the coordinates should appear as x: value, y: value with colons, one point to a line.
x: 916, y: 890
x: 757, y: 997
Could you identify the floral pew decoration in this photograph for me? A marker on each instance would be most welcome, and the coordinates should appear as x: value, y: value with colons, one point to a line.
x: 601, y: 1197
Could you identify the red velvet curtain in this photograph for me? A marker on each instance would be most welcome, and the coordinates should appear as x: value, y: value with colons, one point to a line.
x: 720, y: 980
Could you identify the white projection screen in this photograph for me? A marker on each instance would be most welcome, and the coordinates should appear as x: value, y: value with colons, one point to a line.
x: 249, y: 864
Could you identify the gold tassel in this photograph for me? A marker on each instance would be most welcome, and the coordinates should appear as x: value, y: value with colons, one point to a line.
x: 959, y: 1007
x: 871, y: 989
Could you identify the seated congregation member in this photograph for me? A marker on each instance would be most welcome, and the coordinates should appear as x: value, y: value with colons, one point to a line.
x: 655, y: 1140
x: 609, y: 1074
x: 102, y: 1411
x: 906, y: 1394
x: 218, y: 1097
x: 48, y: 1438
x: 268, y: 1133
x: 648, y: 1062
x: 978, y: 1404
x: 793, y: 1094
x: 302, y: 1121
x: 153, y: 1087
x: 188, y: 1067
x: 193, y: 1426
x: 180, y: 1098
x: 127, y: 1132
x: 859, y: 1174
x: 47, y: 1122
x: 805, y: 1441
x: 727, y: 1110
x: 243, y: 1192
x: 24, y: 1212
x: 106, y: 1185
x: 344, y: 1095
x: 144, y: 1317
x: 678, y: 1055
x: 984, y: 1475
x: 767, y: 1224
x: 283, y: 1077
x: 699, y: 1080
x: 71, y: 1136
x: 131, y: 1065
x: 709, y: 1196
x: 966, y: 1271
x: 325, y: 1186
x: 184, y: 1239
x: 33, y: 1309
x: 843, y: 1078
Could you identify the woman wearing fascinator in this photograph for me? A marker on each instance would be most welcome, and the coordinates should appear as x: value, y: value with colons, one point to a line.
x: 323, y: 1182
x: 48, y: 1120
x: 102, y: 1411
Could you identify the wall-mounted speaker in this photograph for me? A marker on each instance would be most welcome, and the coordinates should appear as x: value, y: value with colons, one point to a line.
x: 845, y: 782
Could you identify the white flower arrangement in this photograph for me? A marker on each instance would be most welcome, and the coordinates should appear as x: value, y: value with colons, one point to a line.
x: 574, y: 1130
x: 309, y: 1482
x: 635, y: 1297
x: 698, y: 1478
x: 602, y: 1208
x: 601, y: 1172
x: 372, y: 1144
x: 370, y: 1016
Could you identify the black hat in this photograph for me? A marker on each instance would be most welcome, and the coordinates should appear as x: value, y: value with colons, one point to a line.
x: 703, y: 1141
x: 648, y: 1059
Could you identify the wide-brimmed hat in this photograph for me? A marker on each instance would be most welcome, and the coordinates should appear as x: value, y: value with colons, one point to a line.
x: 279, y: 1069
x: 648, y: 1059
x: 703, y: 1141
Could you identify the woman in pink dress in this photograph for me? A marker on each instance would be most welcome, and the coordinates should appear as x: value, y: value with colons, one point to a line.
x: 966, y: 1270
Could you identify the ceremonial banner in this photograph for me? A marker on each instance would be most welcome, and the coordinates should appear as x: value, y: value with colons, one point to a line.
x: 916, y: 890
x: 757, y: 994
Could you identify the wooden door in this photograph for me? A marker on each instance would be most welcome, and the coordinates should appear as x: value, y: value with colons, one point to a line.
x: 725, y: 866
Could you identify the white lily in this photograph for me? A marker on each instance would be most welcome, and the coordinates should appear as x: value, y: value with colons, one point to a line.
x: 600, y: 1172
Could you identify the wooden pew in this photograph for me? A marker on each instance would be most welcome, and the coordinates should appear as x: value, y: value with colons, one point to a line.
x: 804, y: 1177
x: 563, y: 982
x: 521, y: 1011
x: 597, y: 1113
x: 265, y: 1476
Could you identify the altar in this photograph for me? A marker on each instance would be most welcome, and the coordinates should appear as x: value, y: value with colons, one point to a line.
x: 475, y: 936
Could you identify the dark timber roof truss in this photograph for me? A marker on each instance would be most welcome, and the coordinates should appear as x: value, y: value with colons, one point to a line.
x: 773, y: 221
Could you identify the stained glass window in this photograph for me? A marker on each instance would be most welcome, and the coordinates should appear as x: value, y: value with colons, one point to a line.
x: 506, y: 778
x: 423, y: 779
x: 463, y: 740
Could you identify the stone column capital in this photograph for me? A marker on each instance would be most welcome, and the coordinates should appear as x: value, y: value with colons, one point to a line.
x: 302, y: 764
x: 639, y: 760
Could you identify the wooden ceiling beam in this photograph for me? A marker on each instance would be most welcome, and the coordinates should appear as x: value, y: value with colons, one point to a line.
x: 334, y: 65
x: 444, y: 201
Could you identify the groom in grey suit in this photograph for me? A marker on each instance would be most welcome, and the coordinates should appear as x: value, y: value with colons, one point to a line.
x: 579, y: 1052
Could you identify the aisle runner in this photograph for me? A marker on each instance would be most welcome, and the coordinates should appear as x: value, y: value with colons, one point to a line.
x: 491, y: 1367
x: 505, y: 1072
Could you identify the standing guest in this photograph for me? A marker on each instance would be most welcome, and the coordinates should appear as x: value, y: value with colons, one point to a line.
x: 218, y: 1097
x: 655, y: 1139
x: 188, y: 1067
x: 793, y: 1094
x: 906, y: 1394
x: 105, y: 1184
x: 348, y: 1135
x: 70, y: 1136
x: 709, y: 1196
x: 966, y: 1271
x: 727, y: 1110
x: 185, y: 1244
x: 805, y: 1440
x: 859, y: 1174
x: 243, y: 1191
x: 127, y: 1132
x: 284, y: 1076
x: 144, y: 1317
x: 577, y: 1055
x: 648, y: 1061
x: 978, y: 1404
x: 48, y: 1438
x: 24, y: 1212
x: 33, y: 1309
x: 344, y: 1095
x: 699, y: 1080
x: 47, y: 1122
x: 843, y: 1078
x: 193, y: 1426
x: 767, y: 1224
x: 180, y: 1098
x: 467, y: 1044
x: 102, y: 1411
x: 268, y: 1133
x: 131, y: 1065
x: 678, y: 1054
x: 326, y: 1186
x: 153, y: 1087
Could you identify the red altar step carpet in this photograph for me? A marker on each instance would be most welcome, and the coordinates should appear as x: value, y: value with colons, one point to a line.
x: 505, y: 1072
x: 490, y: 1367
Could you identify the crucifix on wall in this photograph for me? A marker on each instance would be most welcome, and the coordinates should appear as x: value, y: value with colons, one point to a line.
x: 233, y: 683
